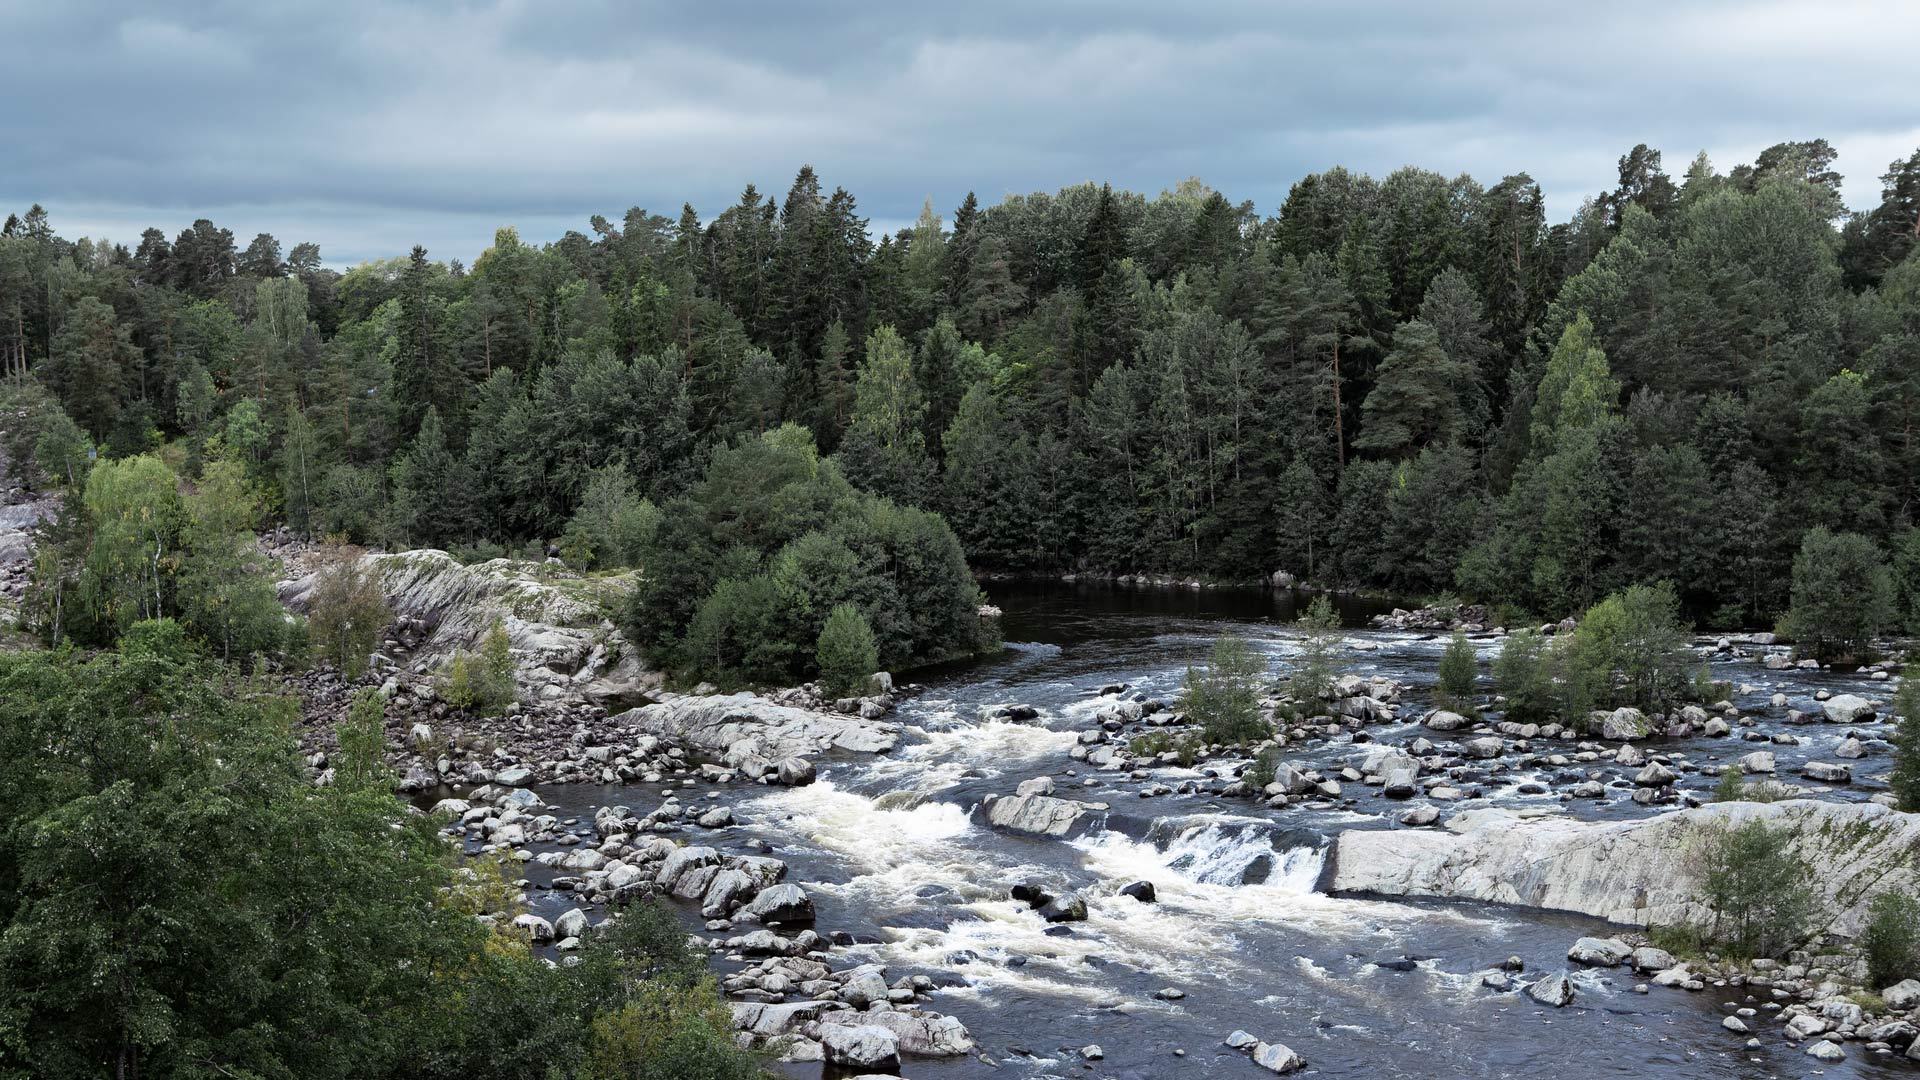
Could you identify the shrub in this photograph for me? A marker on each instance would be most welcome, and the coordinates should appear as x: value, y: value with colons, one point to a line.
x: 739, y: 636
x: 482, y: 683
x: 1906, y: 571
x: 1520, y: 672
x: 362, y: 736
x: 1905, y: 779
x: 1629, y: 649
x: 1892, y: 939
x: 1843, y: 594
x: 1259, y: 773
x: 1758, y: 886
x: 1224, y: 697
x: 348, y: 615
x: 1313, y: 671
x: 846, y: 652
x: 1731, y: 787
x: 612, y: 524
x: 1459, y: 670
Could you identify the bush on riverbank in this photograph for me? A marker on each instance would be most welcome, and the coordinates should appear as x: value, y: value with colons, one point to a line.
x: 1891, y: 941
x: 1905, y: 779
x: 178, y: 900
x: 1629, y: 649
x: 1759, y: 888
x: 1313, y: 670
x: 1224, y: 697
x: 482, y: 683
x: 1459, y: 672
x: 1843, y: 594
x: 744, y: 569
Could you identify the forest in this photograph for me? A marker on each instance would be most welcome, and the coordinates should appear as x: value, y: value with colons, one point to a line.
x: 1415, y: 384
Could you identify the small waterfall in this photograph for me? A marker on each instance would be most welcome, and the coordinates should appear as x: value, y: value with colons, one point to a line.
x: 1234, y: 852
x: 1220, y: 851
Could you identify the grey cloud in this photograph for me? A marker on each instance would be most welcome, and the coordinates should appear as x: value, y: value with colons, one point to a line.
x: 369, y: 125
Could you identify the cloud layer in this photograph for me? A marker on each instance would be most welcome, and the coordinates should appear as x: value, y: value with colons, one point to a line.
x: 370, y: 125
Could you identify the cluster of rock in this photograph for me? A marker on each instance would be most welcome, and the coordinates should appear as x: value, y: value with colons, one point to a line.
x: 1271, y: 1056
x: 852, y: 1019
x: 1808, y: 995
x: 1467, y: 618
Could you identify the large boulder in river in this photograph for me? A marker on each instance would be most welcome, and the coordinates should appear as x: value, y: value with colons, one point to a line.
x: 1043, y: 815
x: 1555, y: 990
x: 865, y: 1047
x: 780, y: 904
x: 741, y: 724
x: 1847, y: 709
x: 1599, y: 952
x: 917, y: 1034
x: 1624, y: 724
x: 1638, y: 872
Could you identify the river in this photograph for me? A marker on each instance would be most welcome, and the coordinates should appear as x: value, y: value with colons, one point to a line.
x: 894, y: 851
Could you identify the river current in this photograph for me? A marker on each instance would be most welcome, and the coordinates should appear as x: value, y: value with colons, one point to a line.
x: 895, y: 851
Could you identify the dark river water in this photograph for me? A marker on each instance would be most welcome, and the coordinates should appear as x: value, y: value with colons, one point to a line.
x: 894, y: 851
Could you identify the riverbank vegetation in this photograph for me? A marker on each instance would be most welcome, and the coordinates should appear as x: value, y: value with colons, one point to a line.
x: 178, y: 900
x: 1415, y: 383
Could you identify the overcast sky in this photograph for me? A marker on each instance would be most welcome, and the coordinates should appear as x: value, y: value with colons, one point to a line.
x: 370, y: 125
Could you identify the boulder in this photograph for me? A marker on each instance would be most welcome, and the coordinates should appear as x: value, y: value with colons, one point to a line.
x: 737, y: 723
x: 1067, y: 907
x: 1826, y: 772
x: 1399, y: 784
x: 1599, y: 952
x: 860, y: 1046
x: 1043, y: 815
x: 1648, y: 958
x: 764, y: 1020
x: 1625, y: 723
x: 1445, y: 720
x: 1760, y: 762
x: 1277, y: 1058
x: 782, y: 904
x: 794, y: 772
x: 1847, y: 709
x: 1636, y: 872
x: 1902, y: 995
x: 1555, y: 990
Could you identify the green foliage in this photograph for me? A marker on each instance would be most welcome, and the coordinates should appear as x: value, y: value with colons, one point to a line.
x: 744, y: 570
x: 1891, y: 940
x: 1905, y: 778
x: 1524, y: 676
x: 613, y: 524
x: 1843, y: 594
x: 1313, y: 668
x: 362, y: 735
x: 482, y: 683
x: 1407, y: 383
x: 1758, y: 886
x: 255, y: 925
x: 846, y: 652
x: 1629, y: 649
x: 1224, y: 697
x: 1459, y: 670
x: 348, y: 615
x: 1730, y: 787
x: 1259, y: 773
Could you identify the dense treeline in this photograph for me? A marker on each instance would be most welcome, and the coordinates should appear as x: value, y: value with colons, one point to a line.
x: 1415, y: 383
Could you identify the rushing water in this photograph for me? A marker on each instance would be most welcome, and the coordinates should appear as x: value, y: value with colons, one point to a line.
x: 894, y: 851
